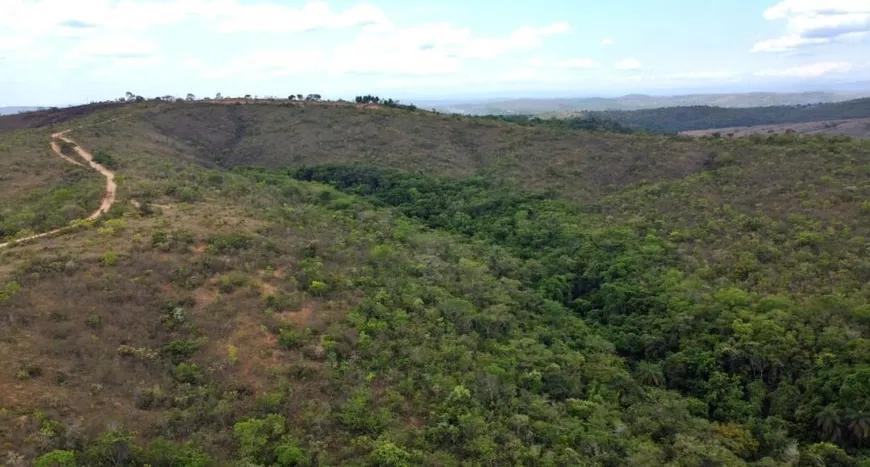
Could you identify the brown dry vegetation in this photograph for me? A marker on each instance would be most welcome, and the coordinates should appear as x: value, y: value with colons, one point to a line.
x: 582, y: 165
x: 54, y: 116
x: 855, y: 128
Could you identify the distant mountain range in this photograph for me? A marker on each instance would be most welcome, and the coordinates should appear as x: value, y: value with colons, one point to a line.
x: 15, y: 110
x: 643, y: 101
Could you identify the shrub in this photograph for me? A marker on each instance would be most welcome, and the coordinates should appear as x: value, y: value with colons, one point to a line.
x: 167, y: 453
x: 253, y: 435
x: 233, y: 280
x: 110, y: 258
x: 141, y: 353
x: 10, y: 290
x: 28, y: 371
x: 290, y: 339
x: 387, y: 454
x: 228, y: 243
x: 104, y: 159
x: 94, y: 322
x: 186, y: 373
x: 182, y: 349
x: 56, y: 458
x: 318, y: 288
x: 723, y: 160
x: 288, y: 454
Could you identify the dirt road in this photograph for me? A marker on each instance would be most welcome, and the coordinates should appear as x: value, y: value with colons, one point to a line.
x: 108, y: 196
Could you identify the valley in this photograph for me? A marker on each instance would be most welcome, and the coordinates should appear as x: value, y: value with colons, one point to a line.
x: 307, y: 283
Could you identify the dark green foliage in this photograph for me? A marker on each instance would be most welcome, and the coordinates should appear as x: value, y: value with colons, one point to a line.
x: 161, y: 452
x: 186, y: 373
x: 585, y: 122
x: 105, y: 159
x: 179, y: 350
x: 369, y: 99
x: 57, y: 458
x: 740, y: 353
x: 290, y: 338
x: 229, y: 243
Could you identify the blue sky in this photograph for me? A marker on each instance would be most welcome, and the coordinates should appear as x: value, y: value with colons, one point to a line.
x: 64, y: 51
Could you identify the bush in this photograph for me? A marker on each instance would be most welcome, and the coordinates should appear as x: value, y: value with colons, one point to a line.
x: 233, y: 280
x: 56, y: 458
x: 166, y: 453
x: 290, y: 339
x: 287, y: 454
x: 104, y: 159
x: 94, y: 322
x: 179, y: 350
x: 723, y: 160
x: 387, y: 454
x: 110, y: 258
x: 318, y: 288
x: 186, y: 373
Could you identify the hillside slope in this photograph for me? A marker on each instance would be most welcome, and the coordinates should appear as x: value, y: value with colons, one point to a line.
x: 327, y: 285
x: 855, y: 128
x: 676, y: 119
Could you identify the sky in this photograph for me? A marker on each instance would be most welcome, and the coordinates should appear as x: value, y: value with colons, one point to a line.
x: 59, y: 52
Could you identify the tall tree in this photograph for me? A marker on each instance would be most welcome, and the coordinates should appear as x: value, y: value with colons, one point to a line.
x: 828, y: 420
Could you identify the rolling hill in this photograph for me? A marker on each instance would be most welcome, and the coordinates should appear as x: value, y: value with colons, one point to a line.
x: 676, y: 119
x: 643, y: 101
x: 855, y: 128
x: 300, y: 283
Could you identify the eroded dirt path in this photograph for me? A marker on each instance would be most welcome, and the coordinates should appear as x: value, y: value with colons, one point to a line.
x: 108, y: 196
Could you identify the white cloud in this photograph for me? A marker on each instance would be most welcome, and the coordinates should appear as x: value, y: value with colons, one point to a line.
x: 427, y: 49
x: 607, y: 41
x: 628, y: 64
x: 814, y: 22
x: 704, y: 75
x: 813, y: 70
x: 577, y: 64
x: 276, y: 18
x: 114, y: 33
x: 786, y: 43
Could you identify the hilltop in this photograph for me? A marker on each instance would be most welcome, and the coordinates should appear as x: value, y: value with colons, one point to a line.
x: 328, y: 283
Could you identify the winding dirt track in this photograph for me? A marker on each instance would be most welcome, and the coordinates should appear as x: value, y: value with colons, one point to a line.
x: 108, y: 197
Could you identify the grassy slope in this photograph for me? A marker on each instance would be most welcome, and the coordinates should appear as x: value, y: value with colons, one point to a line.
x: 581, y: 165
x: 780, y: 217
x: 855, y: 128
x: 41, y: 191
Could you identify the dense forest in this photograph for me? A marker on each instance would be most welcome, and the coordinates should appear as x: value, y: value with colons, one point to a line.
x: 676, y: 119
x: 568, y: 123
